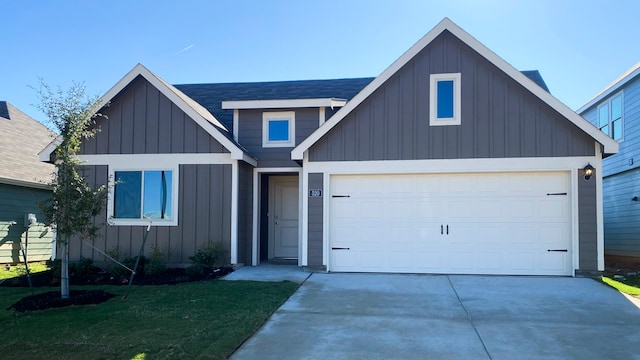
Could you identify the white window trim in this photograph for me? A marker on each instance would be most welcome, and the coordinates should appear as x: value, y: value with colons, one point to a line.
x: 433, y: 99
x: 268, y: 116
x: 609, y: 118
x: 142, y: 222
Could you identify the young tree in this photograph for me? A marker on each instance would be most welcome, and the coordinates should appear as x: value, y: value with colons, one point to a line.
x: 74, y: 203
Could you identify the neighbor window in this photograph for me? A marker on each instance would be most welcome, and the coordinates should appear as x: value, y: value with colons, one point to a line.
x: 444, y: 99
x: 140, y: 194
x: 610, y: 117
x: 278, y: 129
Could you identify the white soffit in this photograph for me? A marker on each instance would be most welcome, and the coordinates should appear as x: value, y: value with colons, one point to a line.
x: 283, y: 103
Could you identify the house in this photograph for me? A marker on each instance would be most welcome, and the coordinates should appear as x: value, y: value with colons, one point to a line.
x: 24, y: 181
x: 616, y: 112
x: 450, y: 161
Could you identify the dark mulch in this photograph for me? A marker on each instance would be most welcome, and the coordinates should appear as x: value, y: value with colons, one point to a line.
x: 52, y: 299
x: 170, y: 276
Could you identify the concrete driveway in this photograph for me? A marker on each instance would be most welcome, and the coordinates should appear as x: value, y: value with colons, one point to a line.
x: 376, y: 316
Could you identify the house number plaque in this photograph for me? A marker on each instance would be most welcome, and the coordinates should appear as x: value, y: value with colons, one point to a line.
x: 315, y: 193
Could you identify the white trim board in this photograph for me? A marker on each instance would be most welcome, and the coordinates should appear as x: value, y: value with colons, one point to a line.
x: 24, y: 183
x: 137, y: 160
x: 283, y: 103
x: 451, y: 165
x: 610, y: 146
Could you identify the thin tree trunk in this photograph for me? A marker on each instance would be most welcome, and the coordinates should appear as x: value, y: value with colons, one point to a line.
x: 64, y: 271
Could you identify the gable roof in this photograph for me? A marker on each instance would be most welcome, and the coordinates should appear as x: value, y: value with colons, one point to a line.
x: 21, y: 139
x: 611, y: 88
x: 610, y: 146
x: 211, y: 95
x: 193, y: 109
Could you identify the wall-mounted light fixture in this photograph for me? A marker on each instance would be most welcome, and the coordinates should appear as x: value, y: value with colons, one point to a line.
x: 588, y: 171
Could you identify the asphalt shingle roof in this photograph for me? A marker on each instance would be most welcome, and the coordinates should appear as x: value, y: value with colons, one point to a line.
x: 21, y: 139
x: 211, y: 96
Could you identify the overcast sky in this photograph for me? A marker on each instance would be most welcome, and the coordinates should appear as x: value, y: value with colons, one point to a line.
x: 578, y: 46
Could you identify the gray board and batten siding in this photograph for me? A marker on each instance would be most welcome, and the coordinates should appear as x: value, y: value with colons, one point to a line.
x: 141, y: 120
x: 245, y: 213
x: 500, y: 118
x: 314, y: 231
x: 204, y: 215
x: 588, y: 224
x: 250, y: 135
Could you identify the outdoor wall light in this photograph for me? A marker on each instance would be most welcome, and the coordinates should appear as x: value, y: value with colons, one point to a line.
x: 588, y: 171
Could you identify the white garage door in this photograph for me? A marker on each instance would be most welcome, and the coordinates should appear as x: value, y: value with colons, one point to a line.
x: 489, y: 223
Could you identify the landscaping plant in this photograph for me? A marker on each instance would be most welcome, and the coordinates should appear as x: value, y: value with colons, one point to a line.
x: 74, y: 203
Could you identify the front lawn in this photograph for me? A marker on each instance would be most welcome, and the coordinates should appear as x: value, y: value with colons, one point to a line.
x: 206, y: 320
x: 628, y: 285
x: 19, y: 269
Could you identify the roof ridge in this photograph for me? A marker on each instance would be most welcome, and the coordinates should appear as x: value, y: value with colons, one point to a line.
x: 276, y: 81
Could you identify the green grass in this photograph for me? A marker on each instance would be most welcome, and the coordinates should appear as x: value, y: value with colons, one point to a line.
x: 204, y: 320
x: 631, y: 285
x: 18, y: 270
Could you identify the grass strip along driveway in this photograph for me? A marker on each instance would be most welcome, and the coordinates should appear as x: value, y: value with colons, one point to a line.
x: 203, y: 320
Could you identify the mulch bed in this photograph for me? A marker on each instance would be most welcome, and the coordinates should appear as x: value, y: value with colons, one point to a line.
x: 52, y: 299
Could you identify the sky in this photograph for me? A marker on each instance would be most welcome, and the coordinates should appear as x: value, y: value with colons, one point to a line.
x: 579, y: 46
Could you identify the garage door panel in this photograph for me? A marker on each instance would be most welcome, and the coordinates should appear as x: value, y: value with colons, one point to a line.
x: 499, y: 223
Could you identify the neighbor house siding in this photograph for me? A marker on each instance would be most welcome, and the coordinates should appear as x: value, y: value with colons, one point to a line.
x: 629, y: 155
x: 245, y: 213
x: 204, y: 215
x: 17, y: 201
x: 250, y: 135
x: 315, y: 233
x: 621, y: 214
x: 622, y: 177
x: 141, y: 120
x: 500, y: 118
x: 588, y: 225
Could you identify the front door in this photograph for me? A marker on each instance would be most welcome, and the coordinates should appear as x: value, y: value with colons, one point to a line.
x: 283, y: 217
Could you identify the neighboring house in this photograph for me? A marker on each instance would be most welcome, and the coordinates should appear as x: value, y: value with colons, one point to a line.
x: 616, y: 112
x: 450, y: 161
x: 24, y: 181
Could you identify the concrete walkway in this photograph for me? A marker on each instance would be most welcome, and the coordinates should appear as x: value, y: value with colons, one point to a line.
x: 376, y: 316
x: 269, y: 272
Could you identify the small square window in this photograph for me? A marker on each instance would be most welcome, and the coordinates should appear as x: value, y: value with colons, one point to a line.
x: 278, y: 129
x: 444, y: 99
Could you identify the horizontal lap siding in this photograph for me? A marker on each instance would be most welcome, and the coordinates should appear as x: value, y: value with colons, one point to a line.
x: 141, y: 120
x: 621, y: 214
x: 500, y: 118
x: 15, y: 203
x: 315, y: 232
x: 204, y: 215
x: 250, y: 135
x: 622, y: 178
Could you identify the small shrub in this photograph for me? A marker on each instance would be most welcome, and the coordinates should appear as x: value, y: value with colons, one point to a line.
x: 210, y: 255
x: 196, y: 270
x: 84, y: 269
x: 155, y: 265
